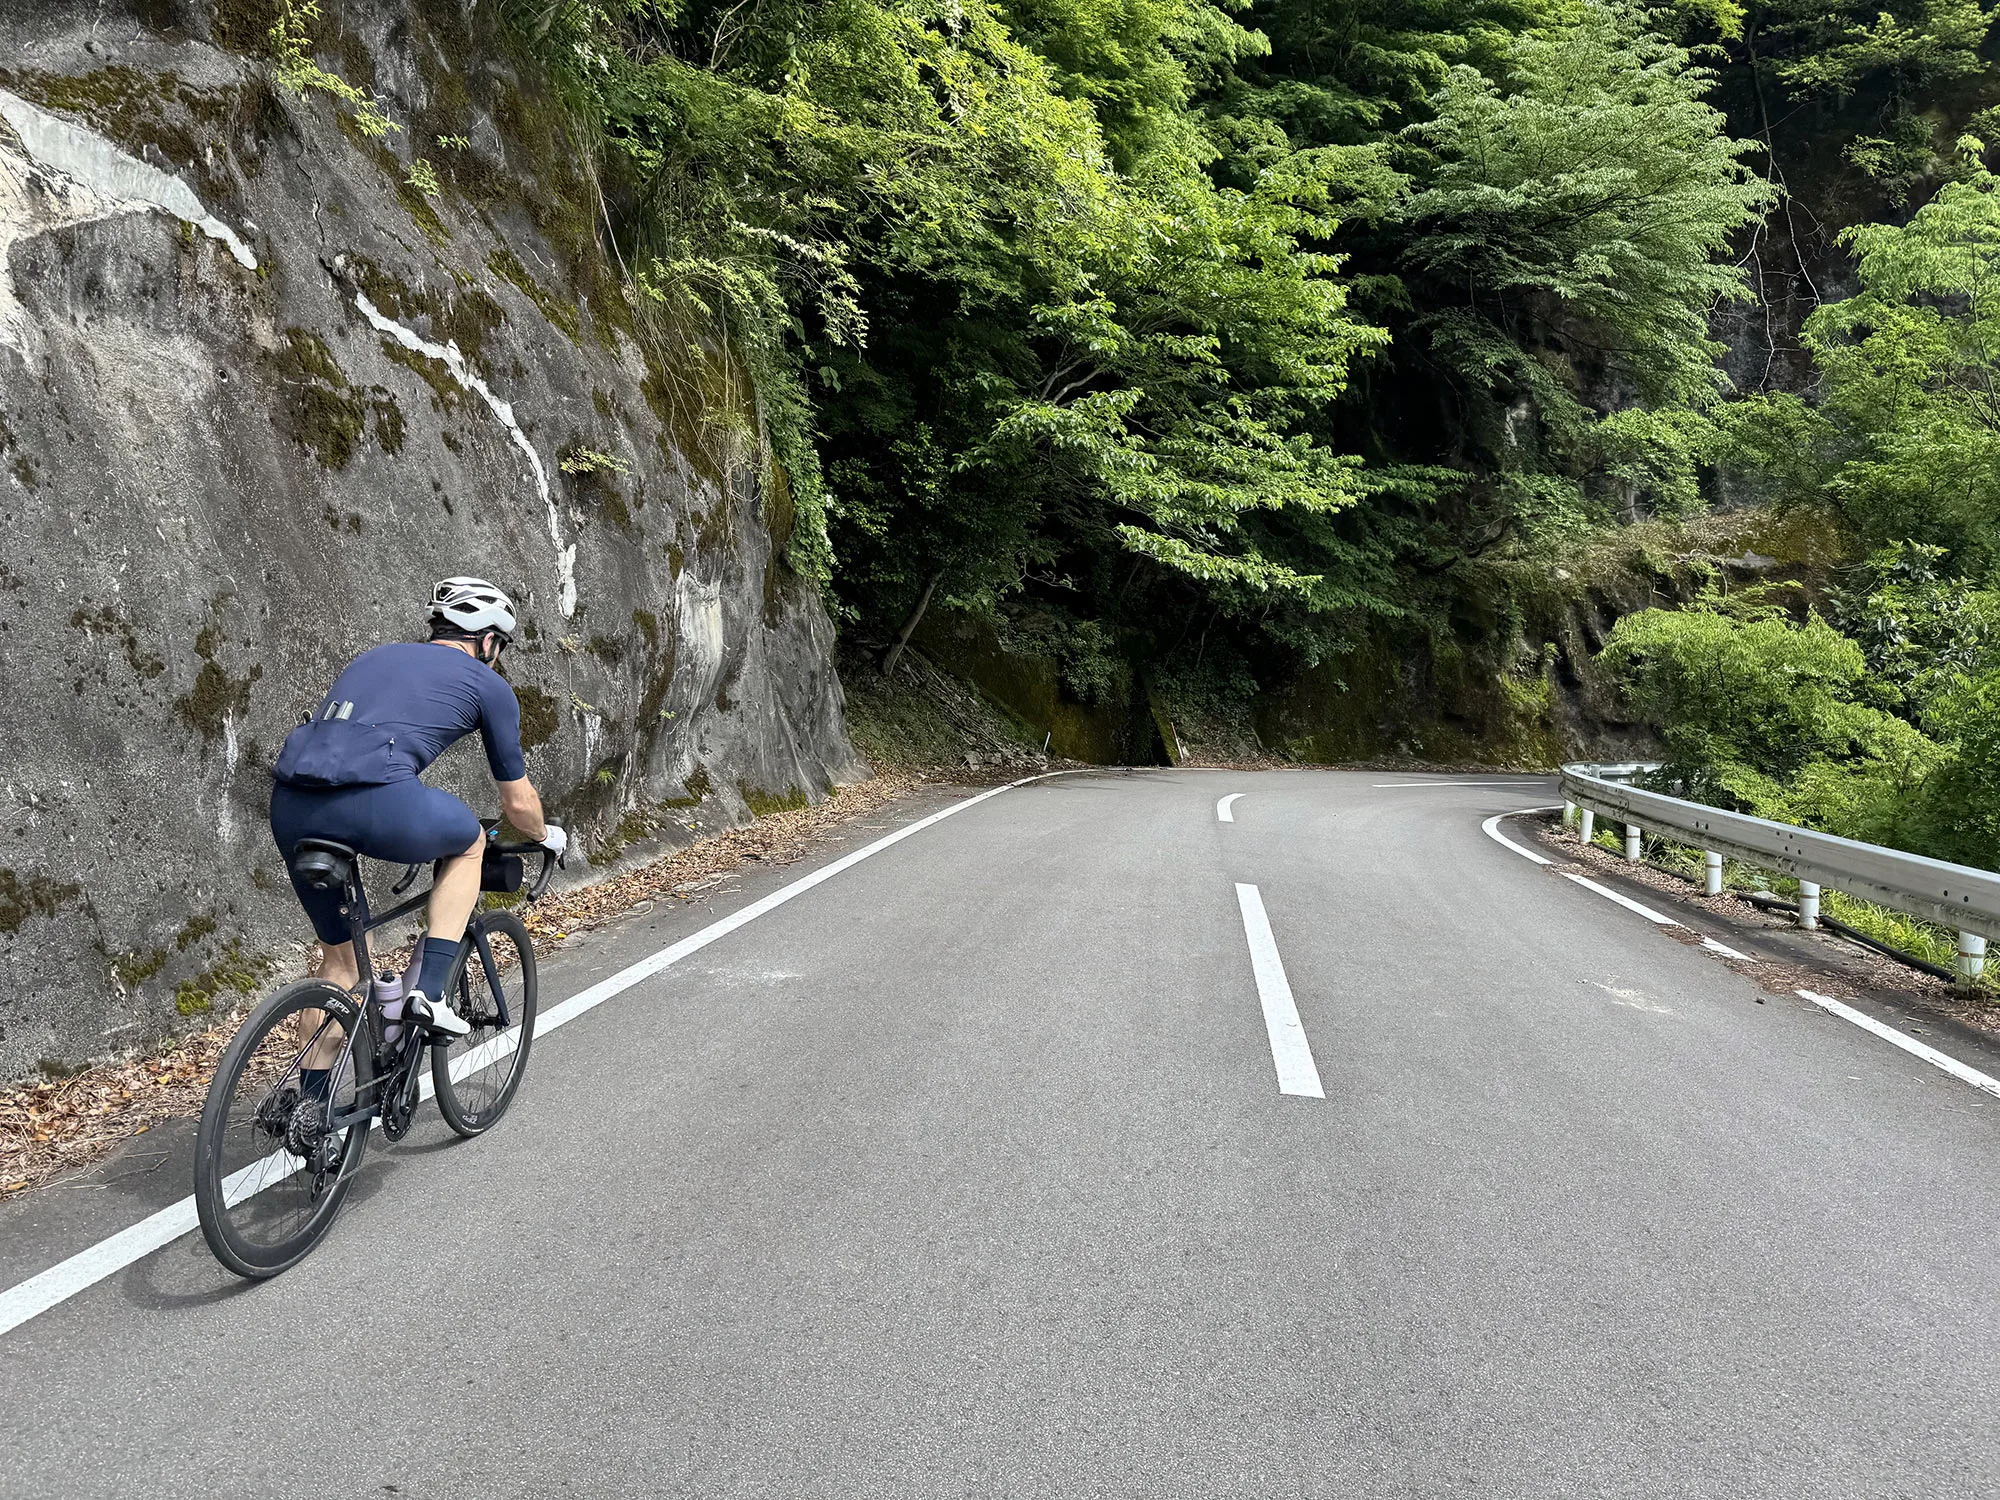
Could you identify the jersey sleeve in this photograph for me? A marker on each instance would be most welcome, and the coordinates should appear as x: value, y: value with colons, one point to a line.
x: 500, y: 728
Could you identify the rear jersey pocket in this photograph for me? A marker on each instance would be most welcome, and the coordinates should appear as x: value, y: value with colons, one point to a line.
x: 341, y: 752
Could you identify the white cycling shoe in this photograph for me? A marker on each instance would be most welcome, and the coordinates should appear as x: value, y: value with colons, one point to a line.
x: 435, y: 1015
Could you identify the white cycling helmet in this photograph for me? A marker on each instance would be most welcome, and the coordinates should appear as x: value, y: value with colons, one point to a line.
x: 472, y: 605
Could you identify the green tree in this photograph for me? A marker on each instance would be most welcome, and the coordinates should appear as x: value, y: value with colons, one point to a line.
x: 1920, y: 631
x: 1105, y: 401
x: 1960, y: 814
x: 1837, y: 46
x: 1351, y: 75
x: 1585, y: 205
x: 1762, y: 714
x: 1910, y: 377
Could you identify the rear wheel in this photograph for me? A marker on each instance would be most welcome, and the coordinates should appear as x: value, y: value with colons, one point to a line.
x: 477, y: 1075
x: 269, y: 1173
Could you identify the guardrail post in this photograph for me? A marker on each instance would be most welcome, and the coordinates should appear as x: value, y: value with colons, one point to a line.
x: 1808, y: 905
x: 1587, y: 826
x: 1971, y: 957
x: 1569, y: 813
x: 1633, y: 845
x: 1711, y: 873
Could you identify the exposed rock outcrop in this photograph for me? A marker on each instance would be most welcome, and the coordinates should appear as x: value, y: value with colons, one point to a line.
x: 263, y: 377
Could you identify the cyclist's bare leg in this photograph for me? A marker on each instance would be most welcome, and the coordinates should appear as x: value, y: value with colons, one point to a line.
x: 337, y: 965
x: 455, y: 891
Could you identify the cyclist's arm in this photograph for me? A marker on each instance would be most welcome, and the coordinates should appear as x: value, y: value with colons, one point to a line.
x: 521, y: 806
x: 500, y: 726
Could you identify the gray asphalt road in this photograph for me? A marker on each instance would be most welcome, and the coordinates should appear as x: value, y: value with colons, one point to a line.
x: 967, y: 1174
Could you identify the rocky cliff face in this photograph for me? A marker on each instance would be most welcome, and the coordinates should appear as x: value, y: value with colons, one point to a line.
x: 1513, y: 679
x: 264, y: 375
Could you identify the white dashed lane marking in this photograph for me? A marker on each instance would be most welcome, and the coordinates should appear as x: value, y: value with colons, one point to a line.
x: 1290, y: 1051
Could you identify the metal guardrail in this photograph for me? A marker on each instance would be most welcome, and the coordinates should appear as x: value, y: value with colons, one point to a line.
x: 1934, y: 890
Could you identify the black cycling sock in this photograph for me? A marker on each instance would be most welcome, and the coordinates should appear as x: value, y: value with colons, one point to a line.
x: 438, y: 954
x: 312, y: 1082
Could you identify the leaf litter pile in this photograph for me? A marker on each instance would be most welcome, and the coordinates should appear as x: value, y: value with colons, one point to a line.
x: 53, y: 1128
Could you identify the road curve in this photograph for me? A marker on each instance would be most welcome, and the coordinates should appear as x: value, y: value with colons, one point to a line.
x: 967, y: 1173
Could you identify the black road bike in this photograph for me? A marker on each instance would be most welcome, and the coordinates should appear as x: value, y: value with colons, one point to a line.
x: 274, y: 1157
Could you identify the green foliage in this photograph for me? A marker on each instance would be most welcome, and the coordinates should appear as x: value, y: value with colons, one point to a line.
x: 1043, y: 306
x: 1770, y: 716
x: 1176, y: 331
x: 299, y: 72
x: 1029, y: 328
x: 1763, y: 714
x: 1897, y: 744
x: 1920, y: 632
x: 1833, y: 46
x: 1348, y: 75
x: 1540, y: 202
x: 1910, y: 368
x: 1960, y: 815
x: 1584, y: 200
x: 1087, y: 655
x: 1929, y: 941
x: 424, y: 179
x: 1873, y: 72
x: 589, y: 461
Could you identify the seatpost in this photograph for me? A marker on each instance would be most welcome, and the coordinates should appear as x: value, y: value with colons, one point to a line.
x: 357, y: 926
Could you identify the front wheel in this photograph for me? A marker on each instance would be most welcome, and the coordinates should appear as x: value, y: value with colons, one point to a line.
x: 270, y: 1166
x: 476, y: 1076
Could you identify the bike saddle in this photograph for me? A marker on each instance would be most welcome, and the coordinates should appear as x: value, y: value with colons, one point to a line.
x: 323, y: 864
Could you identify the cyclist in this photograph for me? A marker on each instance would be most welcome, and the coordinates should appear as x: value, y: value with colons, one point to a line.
x: 351, y: 774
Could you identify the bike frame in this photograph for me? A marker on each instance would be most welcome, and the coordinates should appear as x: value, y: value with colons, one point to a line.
x: 410, y: 1046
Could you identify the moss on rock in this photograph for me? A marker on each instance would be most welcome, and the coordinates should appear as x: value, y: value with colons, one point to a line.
x: 206, y: 707
x: 36, y: 896
x: 234, y: 973
x: 563, y: 315
x: 540, y: 717
x: 318, y: 406
x: 763, y: 803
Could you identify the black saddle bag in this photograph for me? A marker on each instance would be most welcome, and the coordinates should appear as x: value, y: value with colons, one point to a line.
x: 502, y: 872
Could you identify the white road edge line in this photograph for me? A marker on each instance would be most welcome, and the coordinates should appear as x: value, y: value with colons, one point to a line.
x: 1492, y: 828
x: 1827, y: 1003
x: 60, y: 1282
x: 1222, y: 812
x: 1909, y: 1044
x: 1290, y: 1051
x: 1525, y: 786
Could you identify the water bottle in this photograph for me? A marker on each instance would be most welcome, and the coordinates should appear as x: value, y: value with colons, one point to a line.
x: 388, y: 994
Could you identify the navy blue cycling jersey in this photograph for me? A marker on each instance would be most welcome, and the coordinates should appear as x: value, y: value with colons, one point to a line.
x: 397, y: 708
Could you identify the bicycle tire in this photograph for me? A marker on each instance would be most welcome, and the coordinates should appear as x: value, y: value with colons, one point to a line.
x: 473, y: 1102
x: 234, y: 1141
